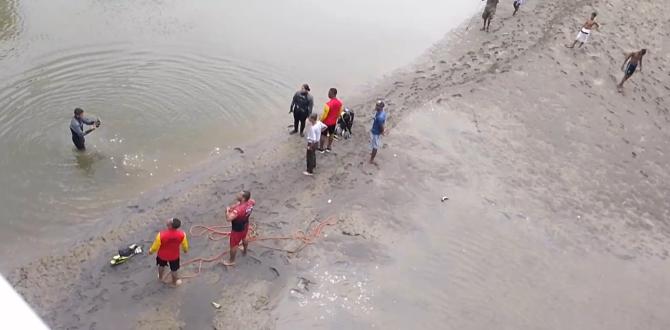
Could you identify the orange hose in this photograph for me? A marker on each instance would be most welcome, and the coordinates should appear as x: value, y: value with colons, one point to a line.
x: 215, y: 233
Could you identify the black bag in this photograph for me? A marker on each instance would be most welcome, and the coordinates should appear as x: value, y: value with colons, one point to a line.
x: 126, y: 252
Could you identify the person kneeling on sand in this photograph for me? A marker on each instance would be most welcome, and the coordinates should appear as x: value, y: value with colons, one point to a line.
x: 489, y: 12
x: 629, y: 66
x: 167, y: 244
x: 377, y: 130
x: 585, y: 32
x: 238, y: 215
x: 314, y: 131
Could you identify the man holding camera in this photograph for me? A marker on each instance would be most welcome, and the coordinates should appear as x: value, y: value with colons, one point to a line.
x: 77, y: 128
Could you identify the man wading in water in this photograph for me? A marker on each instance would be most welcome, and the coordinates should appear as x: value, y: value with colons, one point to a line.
x: 77, y: 128
x: 489, y: 12
x: 301, y: 107
x: 629, y: 66
x: 238, y: 215
x: 585, y: 32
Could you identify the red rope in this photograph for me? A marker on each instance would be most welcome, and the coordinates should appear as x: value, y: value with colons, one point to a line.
x: 216, y: 233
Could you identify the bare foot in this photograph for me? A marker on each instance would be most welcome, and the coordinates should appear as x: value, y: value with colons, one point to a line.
x: 372, y: 162
x: 175, y: 284
x: 619, y: 89
x: 566, y: 46
x: 228, y: 263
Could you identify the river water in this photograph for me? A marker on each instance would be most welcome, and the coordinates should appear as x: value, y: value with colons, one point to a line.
x: 173, y: 83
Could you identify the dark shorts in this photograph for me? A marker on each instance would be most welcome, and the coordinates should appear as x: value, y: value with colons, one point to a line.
x: 630, y: 69
x: 174, y: 264
x: 330, y: 130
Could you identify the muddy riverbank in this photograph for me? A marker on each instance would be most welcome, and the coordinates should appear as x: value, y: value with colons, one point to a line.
x: 556, y: 218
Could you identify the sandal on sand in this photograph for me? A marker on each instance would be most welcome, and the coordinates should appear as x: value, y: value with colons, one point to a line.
x: 227, y: 263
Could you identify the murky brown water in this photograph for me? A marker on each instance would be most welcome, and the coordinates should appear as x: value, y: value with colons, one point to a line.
x: 173, y: 82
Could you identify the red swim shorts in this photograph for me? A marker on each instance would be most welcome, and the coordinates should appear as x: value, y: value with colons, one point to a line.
x: 236, y: 237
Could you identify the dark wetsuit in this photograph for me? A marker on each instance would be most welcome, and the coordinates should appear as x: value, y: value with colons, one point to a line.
x: 77, y: 130
x: 301, y: 106
x: 490, y: 9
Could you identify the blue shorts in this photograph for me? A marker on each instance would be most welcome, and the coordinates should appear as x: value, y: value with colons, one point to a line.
x: 375, y: 141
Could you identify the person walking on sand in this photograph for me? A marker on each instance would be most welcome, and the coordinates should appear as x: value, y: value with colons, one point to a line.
x: 238, y: 215
x: 585, y: 32
x: 314, y: 131
x: 331, y: 112
x: 630, y: 64
x: 377, y: 130
x: 77, y: 128
x: 517, y: 4
x: 489, y: 12
x: 167, y: 244
x: 301, y: 107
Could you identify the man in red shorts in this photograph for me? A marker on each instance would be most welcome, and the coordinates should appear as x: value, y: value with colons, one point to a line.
x: 238, y: 215
x: 331, y: 112
x: 167, y: 244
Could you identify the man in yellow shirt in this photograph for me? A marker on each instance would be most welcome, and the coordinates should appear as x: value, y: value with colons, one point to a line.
x: 167, y: 244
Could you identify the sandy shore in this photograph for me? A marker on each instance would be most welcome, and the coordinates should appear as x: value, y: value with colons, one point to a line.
x: 557, y: 215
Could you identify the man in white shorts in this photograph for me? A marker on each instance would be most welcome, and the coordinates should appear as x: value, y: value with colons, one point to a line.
x: 585, y: 32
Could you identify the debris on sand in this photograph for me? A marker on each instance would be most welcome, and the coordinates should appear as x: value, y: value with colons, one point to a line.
x: 344, y: 232
x: 303, y: 283
x: 217, y: 306
x: 445, y: 198
x: 239, y: 149
x: 275, y: 271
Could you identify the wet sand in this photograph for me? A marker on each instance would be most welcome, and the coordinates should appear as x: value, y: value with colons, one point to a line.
x: 556, y: 218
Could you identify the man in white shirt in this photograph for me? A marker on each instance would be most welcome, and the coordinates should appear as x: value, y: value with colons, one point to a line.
x: 313, y: 137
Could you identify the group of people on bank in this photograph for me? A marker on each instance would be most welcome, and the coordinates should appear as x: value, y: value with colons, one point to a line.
x: 322, y: 130
x: 320, y: 134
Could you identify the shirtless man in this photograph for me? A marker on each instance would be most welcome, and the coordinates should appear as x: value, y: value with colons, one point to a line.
x: 583, y: 35
x: 489, y: 12
x: 629, y: 65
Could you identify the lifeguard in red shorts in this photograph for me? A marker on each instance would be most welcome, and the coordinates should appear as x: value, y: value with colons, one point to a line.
x: 238, y: 215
